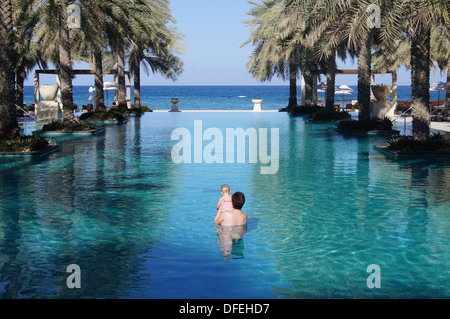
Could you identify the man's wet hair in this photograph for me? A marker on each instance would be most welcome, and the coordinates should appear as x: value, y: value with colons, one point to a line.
x: 238, y: 200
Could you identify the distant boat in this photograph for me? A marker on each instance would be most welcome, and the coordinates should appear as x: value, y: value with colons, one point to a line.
x: 241, y: 96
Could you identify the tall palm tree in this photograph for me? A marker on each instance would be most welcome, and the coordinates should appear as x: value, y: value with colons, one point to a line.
x: 155, y: 46
x: 128, y: 18
x: 52, y: 33
x: 417, y: 19
x: 8, y: 122
x: 65, y: 62
x: 331, y: 81
x: 324, y: 20
x: 336, y: 21
x: 95, y: 30
x: 271, y: 38
x: 27, y: 50
x: 165, y: 63
x: 106, y: 29
x: 440, y: 52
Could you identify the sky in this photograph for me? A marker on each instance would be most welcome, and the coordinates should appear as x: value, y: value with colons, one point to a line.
x: 214, y: 31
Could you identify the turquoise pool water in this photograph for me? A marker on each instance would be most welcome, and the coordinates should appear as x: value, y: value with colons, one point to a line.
x: 140, y: 226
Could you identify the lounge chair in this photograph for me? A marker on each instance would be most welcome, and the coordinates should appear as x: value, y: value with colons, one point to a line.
x: 437, y: 114
x: 349, y: 108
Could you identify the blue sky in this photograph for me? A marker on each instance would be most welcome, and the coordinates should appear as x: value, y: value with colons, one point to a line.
x: 213, y: 34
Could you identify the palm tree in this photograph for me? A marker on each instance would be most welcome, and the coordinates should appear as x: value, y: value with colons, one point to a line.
x: 271, y: 39
x: 128, y: 18
x: 65, y: 62
x: 325, y: 18
x: 165, y: 63
x: 52, y: 33
x: 440, y: 39
x: 8, y: 122
x: 27, y: 51
x: 331, y: 68
x: 95, y: 30
x: 331, y: 81
x: 417, y: 19
x: 338, y: 21
x: 155, y: 47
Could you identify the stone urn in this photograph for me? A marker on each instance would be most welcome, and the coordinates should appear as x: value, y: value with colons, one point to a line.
x: 381, y: 92
x: 257, y: 105
x: 48, y: 92
x: 174, y: 102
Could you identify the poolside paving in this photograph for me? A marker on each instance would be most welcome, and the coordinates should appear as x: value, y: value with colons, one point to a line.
x: 440, y: 126
x: 218, y: 111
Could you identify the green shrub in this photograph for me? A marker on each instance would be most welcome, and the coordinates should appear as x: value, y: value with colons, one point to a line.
x: 67, y: 126
x: 375, y: 124
x: 112, y: 115
x: 23, y: 144
x: 137, y: 110
x: 325, y: 115
x: 436, y: 142
x: 301, y: 109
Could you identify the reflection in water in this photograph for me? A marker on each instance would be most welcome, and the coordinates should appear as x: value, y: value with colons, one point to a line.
x: 117, y: 206
x: 340, y: 206
x: 74, y: 208
x: 229, y: 239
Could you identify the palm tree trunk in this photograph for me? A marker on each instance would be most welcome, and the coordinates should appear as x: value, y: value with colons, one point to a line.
x: 420, y: 83
x: 292, y: 85
x: 121, y: 72
x: 331, y: 82
x: 447, y: 96
x: 20, y: 79
x: 8, y: 121
x: 98, y: 74
x: 309, y: 78
x: 137, y: 84
x: 364, y: 77
x: 65, y: 64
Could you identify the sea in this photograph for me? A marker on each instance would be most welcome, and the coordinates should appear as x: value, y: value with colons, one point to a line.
x: 214, y: 97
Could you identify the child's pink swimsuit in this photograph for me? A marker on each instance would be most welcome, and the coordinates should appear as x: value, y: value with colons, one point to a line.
x: 226, y: 205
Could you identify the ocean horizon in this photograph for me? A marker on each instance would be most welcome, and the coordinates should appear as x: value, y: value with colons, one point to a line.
x: 214, y: 97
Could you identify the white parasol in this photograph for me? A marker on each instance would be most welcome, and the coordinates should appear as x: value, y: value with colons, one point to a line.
x: 439, y: 87
x: 108, y: 86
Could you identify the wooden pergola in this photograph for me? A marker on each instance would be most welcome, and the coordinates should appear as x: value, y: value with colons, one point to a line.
x: 37, y: 73
x: 353, y: 72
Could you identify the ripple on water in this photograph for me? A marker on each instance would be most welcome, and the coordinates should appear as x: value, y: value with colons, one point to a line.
x: 141, y: 226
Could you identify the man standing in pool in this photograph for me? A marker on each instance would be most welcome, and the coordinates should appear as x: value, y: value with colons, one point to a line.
x: 233, y: 217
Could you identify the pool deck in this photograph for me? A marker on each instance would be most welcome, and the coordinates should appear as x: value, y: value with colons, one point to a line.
x: 440, y: 126
x: 217, y: 111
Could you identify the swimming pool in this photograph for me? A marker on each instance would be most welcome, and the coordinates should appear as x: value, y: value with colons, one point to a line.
x: 140, y: 226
